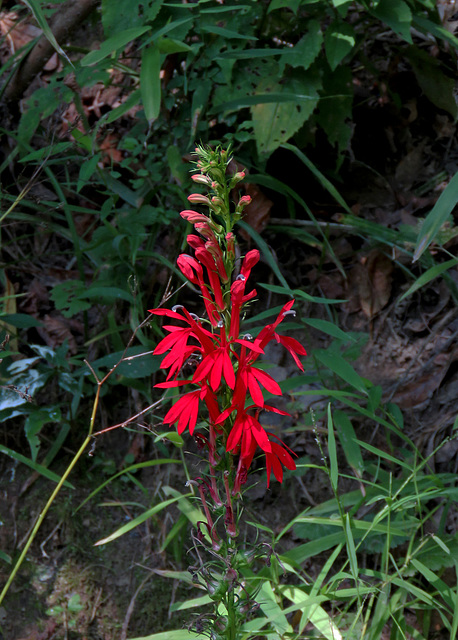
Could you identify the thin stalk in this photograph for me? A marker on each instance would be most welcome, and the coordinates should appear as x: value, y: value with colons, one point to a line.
x: 53, y: 496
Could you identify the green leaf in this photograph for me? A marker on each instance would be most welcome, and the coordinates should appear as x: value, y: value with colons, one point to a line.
x: 51, y: 150
x: 34, y: 465
x: 106, y: 294
x: 338, y: 42
x: 169, y: 45
x: 20, y: 320
x: 430, y: 274
x: 277, y: 122
x: 136, y: 521
x: 437, y: 217
x: 133, y: 467
x: 118, y: 41
x: 438, y: 87
x: 397, y: 15
x: 347, y: 437
x: 312, y: 612
x: 118, y: 15
x: 150, y: 82
x: 38, y: 14
x: 176, y: 634
x: 306, y: 50
x: 328, y: 186
x: 225, y: 33
x: 87, y: 171
x: 329, y: 328
x: 262, y: 244
x: 293, y: 5
x: 332, y: 451
x: 136, y: 364
x: 342, y: 368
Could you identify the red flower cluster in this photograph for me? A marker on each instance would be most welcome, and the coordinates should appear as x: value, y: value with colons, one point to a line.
x: 227, y: 375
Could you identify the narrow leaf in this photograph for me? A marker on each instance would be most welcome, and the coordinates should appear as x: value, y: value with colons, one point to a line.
x: 427, y: 276
x: 332, y: 450
x: 437, y: 217
x: 150, y: 82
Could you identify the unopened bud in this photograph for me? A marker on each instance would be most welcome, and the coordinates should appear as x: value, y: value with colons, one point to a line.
x: 198, y: 198
x: 201, y: 179
x: 244, y: 200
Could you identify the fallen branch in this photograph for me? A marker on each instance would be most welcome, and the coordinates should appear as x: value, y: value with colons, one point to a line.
x: 64, y: 21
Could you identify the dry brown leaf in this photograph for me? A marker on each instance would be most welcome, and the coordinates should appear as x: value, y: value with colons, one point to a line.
x: 374, y: 282
x: 57, y: 329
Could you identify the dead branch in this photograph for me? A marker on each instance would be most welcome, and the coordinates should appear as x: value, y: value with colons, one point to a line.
x: 64, y: 21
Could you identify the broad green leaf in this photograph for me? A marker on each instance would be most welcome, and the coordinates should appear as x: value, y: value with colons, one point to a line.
x: 430, y: 274
x: 293, y: 5
x: 276, y: 123
x: 397, y: 15
x: 20, y: 320
x: 136, y: 521
x: 437, y: 217
x: 347, y: 437
x: 432, y: 28
x: 118, y: 15
x: 116, y: 42
x: 306, y: 50
x: 34, y: 465
x: 329, y: 328
x: 435, y: 84
x: 106, y: 294
x: 314, y: 613
x: 270, y: 608
x: 342, y: 368
x: 302, y: 552
x: 87, y: 171
x: 338, y: 42
x: 169, y: 45
x: 332, y: 451
x: 150, y: 82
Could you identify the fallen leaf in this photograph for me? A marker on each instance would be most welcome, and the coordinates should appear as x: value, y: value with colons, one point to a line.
x: 374, y: 282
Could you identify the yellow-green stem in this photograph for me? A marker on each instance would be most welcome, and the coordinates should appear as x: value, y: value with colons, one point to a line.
x: 59, y: 485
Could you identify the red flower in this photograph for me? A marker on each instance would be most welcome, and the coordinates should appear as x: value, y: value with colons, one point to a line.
x: 186, y: 409
x: 279, y: 454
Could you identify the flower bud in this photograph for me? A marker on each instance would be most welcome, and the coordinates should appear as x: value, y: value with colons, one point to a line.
x: 198, y: 198
x: 201, y: 179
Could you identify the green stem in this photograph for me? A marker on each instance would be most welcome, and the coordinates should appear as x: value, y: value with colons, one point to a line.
x: 52, y: 498
x: 42, y: 517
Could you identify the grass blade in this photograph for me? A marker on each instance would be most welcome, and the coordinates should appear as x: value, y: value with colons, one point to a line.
x: 436, y: 217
